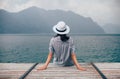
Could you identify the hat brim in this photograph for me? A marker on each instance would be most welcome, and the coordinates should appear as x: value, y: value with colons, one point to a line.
x: 65, y: 32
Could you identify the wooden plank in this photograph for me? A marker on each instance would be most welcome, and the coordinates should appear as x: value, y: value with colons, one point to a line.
x: 28, y: 71
x: 55, y: 72
x: 97, y: 69
x: 110, y: 70
x: 13, y: 70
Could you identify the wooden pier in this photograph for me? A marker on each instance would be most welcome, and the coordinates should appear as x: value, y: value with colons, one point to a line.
x: 28, y: 71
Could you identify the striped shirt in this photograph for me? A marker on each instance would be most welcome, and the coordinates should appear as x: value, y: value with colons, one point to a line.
x: 62, y: 51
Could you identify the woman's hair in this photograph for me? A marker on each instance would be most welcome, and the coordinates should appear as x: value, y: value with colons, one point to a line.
x: 63, y: 37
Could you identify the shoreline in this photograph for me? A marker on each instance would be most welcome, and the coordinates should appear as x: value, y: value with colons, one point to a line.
x: 52, y: 34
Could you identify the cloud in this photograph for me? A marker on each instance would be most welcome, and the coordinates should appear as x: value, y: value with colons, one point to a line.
x: 116, y: 10
x: 101, y: 11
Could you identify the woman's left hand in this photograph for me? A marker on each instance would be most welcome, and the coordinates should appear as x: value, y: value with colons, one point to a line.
x: 81, y: 68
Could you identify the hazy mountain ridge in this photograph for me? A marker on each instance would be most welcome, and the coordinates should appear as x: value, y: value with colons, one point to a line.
x: 37, y: 20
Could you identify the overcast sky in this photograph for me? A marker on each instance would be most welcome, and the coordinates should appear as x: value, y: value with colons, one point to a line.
x: 101, y: 11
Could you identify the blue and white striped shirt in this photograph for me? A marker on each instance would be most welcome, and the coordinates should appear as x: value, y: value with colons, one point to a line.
x: 62, y: 51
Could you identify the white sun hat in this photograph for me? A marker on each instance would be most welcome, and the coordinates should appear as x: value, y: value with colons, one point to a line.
x: 61, y: 28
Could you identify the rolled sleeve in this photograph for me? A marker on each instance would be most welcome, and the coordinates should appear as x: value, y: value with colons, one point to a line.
x: 51, y: 49
x: 72, y: 46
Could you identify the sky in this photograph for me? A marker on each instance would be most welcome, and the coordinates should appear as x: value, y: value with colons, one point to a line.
x: 101, y: 11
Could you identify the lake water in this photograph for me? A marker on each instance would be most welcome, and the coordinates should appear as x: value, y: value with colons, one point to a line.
x: 34, y: 48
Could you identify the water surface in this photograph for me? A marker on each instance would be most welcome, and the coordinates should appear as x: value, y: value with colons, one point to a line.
x: 34, y: 48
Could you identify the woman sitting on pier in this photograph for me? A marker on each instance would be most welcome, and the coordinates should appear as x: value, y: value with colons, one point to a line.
x: 61, y: 47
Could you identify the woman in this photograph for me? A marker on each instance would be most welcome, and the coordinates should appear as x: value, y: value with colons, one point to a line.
x: 61, y: 47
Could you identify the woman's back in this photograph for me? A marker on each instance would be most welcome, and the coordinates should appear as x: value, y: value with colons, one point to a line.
x: 62, y: 50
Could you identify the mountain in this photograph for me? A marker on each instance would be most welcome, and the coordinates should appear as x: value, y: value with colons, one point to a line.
x: 112, y: 28
x: 37, y: 20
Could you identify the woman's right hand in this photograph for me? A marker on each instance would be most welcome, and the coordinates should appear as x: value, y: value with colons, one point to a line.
x: 47, y: 62
x: 42, y: 67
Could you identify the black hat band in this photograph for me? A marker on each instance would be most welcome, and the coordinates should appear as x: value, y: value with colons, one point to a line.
x: 60, y: 30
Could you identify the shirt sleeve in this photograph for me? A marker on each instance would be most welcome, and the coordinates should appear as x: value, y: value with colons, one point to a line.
x: 72, y: 46
x: 51, y: 49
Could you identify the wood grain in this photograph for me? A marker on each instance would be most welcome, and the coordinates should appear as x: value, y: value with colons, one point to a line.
x: 15, y: 70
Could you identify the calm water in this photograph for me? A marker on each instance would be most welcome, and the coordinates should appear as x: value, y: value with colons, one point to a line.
x: 34, y: 48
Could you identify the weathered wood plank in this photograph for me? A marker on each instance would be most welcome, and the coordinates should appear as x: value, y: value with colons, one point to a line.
x: 54, y: 72
x: 13, y: 70
x: 110, y: 70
